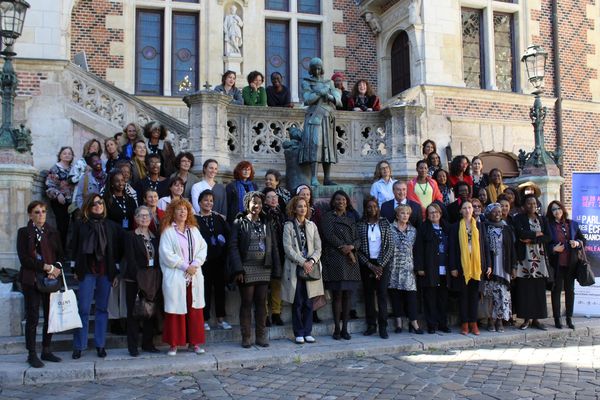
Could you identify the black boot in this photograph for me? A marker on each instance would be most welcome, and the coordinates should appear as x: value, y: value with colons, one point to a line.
x: 570, y: 323
x: 34, y: 361
x: 557, y: 323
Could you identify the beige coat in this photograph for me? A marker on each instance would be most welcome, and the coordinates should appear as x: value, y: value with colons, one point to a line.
x: 293, y: 257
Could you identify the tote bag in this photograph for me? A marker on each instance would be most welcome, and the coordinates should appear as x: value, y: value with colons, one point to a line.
x: 64, y: 314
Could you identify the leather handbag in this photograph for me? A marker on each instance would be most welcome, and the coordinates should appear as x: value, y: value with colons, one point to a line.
x: 313, y: 275
x: 585, y: 275
x: 47, y: 285
x: 143, y: 308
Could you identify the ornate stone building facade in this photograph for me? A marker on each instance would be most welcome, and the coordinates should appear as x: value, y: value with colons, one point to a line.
x: 454, y: 63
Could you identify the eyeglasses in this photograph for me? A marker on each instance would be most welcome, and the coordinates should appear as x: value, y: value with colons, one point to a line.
x: 154, y: 163
x: 556, y: 209
x: 98, y: 203
x: 476, y: 206
x: 39, y: 212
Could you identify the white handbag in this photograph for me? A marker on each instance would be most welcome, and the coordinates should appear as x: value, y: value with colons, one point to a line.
x: 64, y: 314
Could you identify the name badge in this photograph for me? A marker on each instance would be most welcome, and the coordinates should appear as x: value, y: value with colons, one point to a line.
x: 261, y: 246
x: 151, y: 262
x: 125, y: 223
x: 373, y: 238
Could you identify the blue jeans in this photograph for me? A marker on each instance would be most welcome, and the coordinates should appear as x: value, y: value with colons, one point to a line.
x: 302, y: 311
x: 92, y: 287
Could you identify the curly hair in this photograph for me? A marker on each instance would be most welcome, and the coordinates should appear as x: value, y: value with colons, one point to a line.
x: 152, y: 125
x: 88, y: 144
x: 291, y: 207
x: 369, y: 92
x: 455, y: 169
x: 425, y: 143
x: 248, y: 198
x: 181, y: 155
x: 253, y: 75
x: 169, y: 216
x: 237, y: 172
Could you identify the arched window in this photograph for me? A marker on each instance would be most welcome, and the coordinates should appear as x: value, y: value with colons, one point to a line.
x: 505, y: 162
x: 400, y: 63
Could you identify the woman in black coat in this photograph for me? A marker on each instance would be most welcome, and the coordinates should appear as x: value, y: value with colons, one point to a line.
x: 40, y: 254
x: 566, y: 240
x: 215, y: 231
x: 431, y: 261
x: 141, y: 272
x: 465, y: 278
x: 533, y: 268
x: 97, y: 248
x: 253, y: 262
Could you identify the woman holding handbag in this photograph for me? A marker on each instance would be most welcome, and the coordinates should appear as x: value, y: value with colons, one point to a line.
x: 301, y: 280
x: 182, y: 253
x: 567, y: 240
x: 40, y: 254
x: 141, y: 273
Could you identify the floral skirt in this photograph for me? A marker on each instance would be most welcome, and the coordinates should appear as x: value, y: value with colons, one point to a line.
x: 499, y: 296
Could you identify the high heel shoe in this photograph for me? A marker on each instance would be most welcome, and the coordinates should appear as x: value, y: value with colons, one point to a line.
x: 412, y: 329
x: 336, y: 335
x: 345, y: 335
x: 570, y: 323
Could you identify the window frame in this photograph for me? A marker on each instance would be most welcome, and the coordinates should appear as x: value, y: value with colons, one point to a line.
x: 162, y: 51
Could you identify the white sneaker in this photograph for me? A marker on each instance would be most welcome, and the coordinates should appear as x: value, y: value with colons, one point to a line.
x: 206, y: 326
x: 309, y: 339
x: 198, y: 350
x: 224, y: 325
x: 299, y: 340
x: 172, y: 351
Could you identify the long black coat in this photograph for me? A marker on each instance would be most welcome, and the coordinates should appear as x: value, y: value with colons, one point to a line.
x: 114, y: 248
x: 523, y: 231
x: 338, y: 231
x: 135, y: 256
x: 427, y: 253
x: 454, y: 261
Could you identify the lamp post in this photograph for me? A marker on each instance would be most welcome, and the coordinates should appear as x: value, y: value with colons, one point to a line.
x: 12, y: 16
x: 535, y: 63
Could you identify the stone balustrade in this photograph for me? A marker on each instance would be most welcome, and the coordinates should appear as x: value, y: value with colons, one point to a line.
x: 231, y: 133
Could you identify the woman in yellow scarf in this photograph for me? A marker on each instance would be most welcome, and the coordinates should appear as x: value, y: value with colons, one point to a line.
x: 496, y: 186
x: 469, y: 259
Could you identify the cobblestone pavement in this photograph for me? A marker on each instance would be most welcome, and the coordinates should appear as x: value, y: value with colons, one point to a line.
x: 565, y: 368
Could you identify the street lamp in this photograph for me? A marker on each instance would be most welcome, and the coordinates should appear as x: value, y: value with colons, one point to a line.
x: 534, y: 59
x: 12, y: 16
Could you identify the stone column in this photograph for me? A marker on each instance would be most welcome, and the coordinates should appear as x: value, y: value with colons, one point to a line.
x: 208, y: 127
x: 404, y: 124
x: 16, y: 181
x: 546, y: 177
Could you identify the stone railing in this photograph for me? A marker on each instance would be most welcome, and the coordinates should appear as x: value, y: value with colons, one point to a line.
x: 116, y: 107
x: 231, y: 133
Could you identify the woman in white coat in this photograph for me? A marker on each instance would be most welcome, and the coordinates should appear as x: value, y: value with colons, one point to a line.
x: 182, y: 252
x: 302, y: 247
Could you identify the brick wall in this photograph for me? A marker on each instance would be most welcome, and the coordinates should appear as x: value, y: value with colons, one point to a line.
x: 360, y: 51
x: 89, y: 34
x: 29, y: 83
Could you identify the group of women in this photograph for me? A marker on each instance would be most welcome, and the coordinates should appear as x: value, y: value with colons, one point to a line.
x: 361, y: 98
x: 144, y: 222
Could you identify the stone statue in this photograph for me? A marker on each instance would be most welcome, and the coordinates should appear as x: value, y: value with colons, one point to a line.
x: 23, y: 139
x: 414, y: 12
x: 318, y: 136
x: 373, y: 22
x: 232, y: 27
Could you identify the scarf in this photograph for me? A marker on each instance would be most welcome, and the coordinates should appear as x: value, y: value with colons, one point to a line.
x: 96, y: 242
x: 243, y: 187
x: 470, y: 260
x: 39, y: 244
x: 493, y: 193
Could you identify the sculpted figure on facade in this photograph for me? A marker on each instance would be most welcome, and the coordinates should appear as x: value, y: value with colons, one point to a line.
x: 318, y: 136
x: 414, y: 12
x: 232, y: 28
x: 373, y: 22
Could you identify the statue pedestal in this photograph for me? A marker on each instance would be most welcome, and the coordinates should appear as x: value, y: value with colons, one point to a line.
x: 233, y: 63
x: 322, y: 195
x: 548, y: 184
x: 16, y: 181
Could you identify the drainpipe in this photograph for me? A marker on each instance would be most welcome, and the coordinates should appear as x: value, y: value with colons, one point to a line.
x: 557, y: 89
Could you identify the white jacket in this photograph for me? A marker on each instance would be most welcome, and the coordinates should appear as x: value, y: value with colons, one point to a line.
x: 173, y: 281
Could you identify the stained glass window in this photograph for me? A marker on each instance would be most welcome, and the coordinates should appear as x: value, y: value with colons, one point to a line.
x: 148, y: 50
x: 277, y: 5
x: 309, y: 6
x: 277, y: 50
x: 503, y: 48
x: 309, y: 46
x: 184, y: 54
x: 472, y: 54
